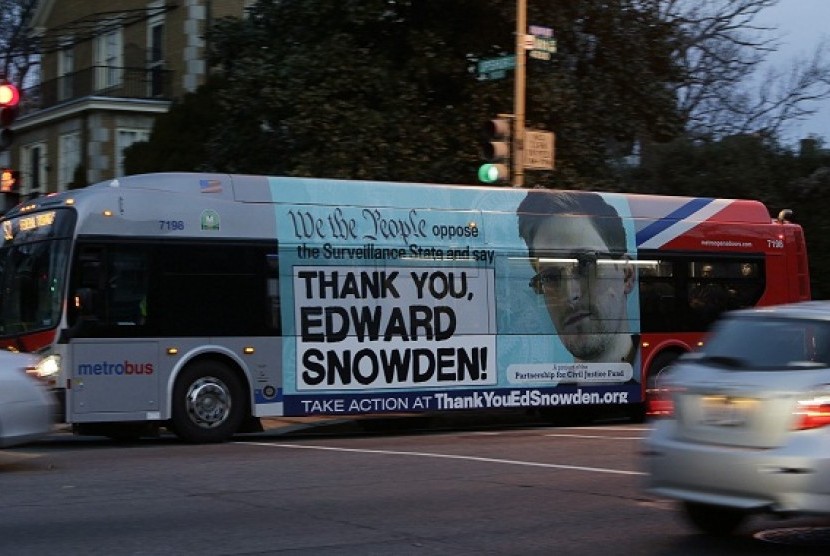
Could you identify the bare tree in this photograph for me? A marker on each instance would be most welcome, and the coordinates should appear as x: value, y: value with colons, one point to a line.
x: 18, y: 54
x: 726, y: 90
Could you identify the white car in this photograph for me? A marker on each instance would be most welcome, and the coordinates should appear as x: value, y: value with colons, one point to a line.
x: 751, y: 426
x: 27, y: 408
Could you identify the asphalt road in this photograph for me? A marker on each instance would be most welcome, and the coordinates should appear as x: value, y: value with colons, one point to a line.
x: 332, y: 488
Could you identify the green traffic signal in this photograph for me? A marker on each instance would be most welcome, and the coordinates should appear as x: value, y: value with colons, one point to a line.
x: 493, y: 173
x: 496, y: 151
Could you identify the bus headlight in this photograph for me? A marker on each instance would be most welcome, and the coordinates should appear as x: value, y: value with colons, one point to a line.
x: 47, y: 368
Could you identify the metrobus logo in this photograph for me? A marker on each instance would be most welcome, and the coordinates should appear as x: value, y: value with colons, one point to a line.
x: 107, y: 368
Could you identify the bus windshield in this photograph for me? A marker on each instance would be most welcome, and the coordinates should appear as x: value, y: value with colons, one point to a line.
x: 33, y: 264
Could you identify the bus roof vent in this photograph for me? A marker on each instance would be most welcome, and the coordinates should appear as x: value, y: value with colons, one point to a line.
x: 785, y: 216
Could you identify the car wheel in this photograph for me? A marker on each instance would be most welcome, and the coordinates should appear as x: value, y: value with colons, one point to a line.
x: 714, y: 520
x: 208, y: 403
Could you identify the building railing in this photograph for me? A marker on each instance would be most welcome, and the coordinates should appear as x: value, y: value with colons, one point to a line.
x: 99, y: 81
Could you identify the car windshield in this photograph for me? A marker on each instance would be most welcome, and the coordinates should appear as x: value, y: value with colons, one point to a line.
x: 742, y: 343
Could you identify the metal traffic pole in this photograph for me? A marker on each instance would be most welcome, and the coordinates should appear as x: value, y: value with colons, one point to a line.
x: 519, y: 95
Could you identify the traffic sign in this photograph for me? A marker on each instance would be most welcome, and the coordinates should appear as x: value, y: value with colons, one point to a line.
x: 495, y: 68
x: 539, y: 147
x: 540, y: 42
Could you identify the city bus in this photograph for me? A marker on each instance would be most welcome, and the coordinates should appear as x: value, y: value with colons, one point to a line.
x: 202, y: 303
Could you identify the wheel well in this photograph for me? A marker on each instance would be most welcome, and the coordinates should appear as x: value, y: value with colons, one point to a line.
x: 670, y: 354
x: 658, y: 362
x: 233, y: 366
x: 657, y: 401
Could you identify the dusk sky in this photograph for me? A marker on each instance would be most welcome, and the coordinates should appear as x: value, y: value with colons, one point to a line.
x: 802, y: 24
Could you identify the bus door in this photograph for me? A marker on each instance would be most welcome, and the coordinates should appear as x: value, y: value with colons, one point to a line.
x: 113, y: 358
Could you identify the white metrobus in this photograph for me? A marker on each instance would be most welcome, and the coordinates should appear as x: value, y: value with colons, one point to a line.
x: 202, y: 302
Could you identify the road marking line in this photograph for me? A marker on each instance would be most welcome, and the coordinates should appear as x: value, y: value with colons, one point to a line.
x: 598, y: 436
x: 637, y: 429
x: 450, y: 456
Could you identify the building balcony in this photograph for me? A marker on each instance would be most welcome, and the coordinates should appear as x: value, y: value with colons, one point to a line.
x: 99, y: 82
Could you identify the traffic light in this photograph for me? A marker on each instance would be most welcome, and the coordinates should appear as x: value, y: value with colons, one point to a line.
x: 496, y: 151
x: 9, y: 108
x: 9, y: 180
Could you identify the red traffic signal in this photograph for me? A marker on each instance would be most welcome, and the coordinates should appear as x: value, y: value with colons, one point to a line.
x: 9, y: 95
x: 9, y: 109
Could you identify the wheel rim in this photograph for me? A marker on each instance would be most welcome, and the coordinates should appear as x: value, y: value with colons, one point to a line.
x: 208, y: 402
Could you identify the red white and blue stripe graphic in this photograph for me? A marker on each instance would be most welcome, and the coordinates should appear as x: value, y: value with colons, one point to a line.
x: 658, y: 233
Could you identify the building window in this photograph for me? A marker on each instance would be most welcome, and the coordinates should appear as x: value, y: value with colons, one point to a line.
x: 125, y: 138
x: 155, y: 50
x: 66, y: 68
x: 33, y: 178
x: 108, y: 60
x: 69, y: 159
x: 156, y: 62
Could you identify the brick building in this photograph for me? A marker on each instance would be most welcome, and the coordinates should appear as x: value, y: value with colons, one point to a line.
x: 108, y: 68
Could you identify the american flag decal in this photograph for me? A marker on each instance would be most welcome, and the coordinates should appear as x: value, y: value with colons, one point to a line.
x: 210, y: 186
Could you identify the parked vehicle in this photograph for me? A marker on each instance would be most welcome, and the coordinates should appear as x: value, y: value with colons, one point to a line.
x: 750, y: 431
x: 27, y: 409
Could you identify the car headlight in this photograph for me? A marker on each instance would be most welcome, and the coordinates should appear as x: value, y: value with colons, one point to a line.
x: 47, y: 368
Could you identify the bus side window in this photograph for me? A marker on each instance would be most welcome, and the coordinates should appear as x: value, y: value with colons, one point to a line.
x: 110, y: 286
x: 90, y: 274
x: 273, y: 289
x: 211, y: 289
x: 747, y: 286
x: 657, y: 296
x: 708, y: 297
x: 86, y: 298
x: 127, y: 287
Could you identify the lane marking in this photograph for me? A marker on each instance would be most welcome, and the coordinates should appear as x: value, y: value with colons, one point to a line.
x: 636, y: 429
x: 597, y: 436
x: 448, y: 456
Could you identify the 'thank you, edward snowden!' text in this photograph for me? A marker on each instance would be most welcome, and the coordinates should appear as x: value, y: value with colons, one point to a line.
x: 401, y: 327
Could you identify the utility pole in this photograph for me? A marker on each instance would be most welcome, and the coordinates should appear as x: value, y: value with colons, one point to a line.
x: 519, y: 96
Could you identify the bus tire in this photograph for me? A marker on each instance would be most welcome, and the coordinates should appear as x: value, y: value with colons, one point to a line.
x: 208, y: 403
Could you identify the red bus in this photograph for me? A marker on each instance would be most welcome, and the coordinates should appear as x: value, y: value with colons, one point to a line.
x: 711, y: 256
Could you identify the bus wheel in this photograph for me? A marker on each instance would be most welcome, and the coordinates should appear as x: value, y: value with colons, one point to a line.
x: 657, y: 400
x: 208, y: 404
